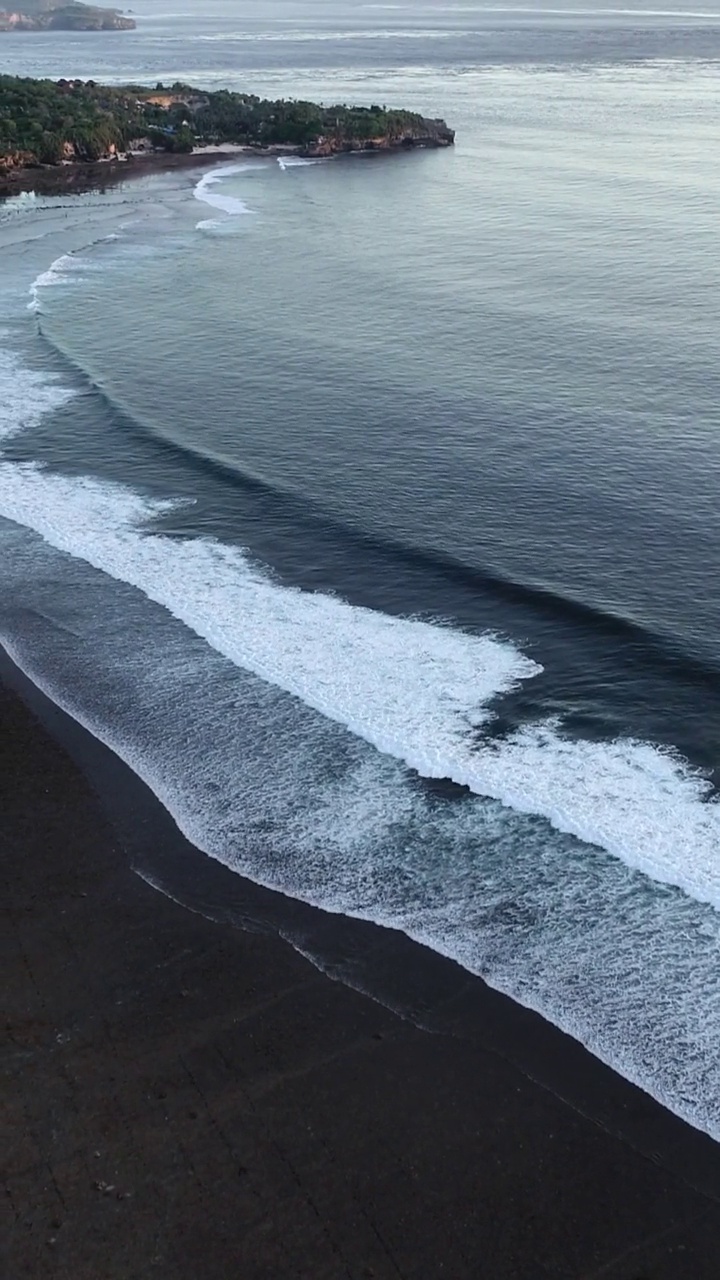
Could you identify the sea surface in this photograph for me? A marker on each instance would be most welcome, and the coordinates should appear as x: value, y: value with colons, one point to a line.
x: 369, y: 508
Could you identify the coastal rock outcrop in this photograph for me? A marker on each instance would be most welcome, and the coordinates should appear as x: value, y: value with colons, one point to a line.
x: 15, y: 160
x: 422, y: 133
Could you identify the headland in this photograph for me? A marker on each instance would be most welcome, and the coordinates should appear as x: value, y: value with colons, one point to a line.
x: 52, y: 131
x: 57, y: 15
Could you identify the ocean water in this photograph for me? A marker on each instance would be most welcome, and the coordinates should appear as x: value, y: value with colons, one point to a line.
x: 368, y: 508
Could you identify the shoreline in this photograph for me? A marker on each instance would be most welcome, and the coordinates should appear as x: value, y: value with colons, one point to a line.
x: 80, y: 176
x: 128, y: 126
x: 58, y: 179
x: 461, y: 1130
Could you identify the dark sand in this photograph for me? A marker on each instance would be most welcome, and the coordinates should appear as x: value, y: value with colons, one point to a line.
x: 53, y: 180
x: 194, y: 1101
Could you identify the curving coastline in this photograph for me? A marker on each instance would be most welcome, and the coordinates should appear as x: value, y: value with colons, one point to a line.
x: 98, y: 175
x: 60, y: 126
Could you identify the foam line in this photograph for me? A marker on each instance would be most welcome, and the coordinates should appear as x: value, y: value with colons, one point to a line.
x: 204, y: 191
x: 23, y: 202
x: 58, y: 273
x: 414, y: 690
x: 55, y: 274
x: 295, y: 162
x: 26, y: 396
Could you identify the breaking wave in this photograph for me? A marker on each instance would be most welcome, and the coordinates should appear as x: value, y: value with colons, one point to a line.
x: 295, y: 162
x: 21, y: 203
x: 414, y: 690
x: 67, y: 270
x: 26, y: 395
x: 58, y: 273
x: 528, y: 913
x: 284, y: 796
x: 206, y: 193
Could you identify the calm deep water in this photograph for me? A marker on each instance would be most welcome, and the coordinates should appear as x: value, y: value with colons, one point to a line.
x: 322, y: 482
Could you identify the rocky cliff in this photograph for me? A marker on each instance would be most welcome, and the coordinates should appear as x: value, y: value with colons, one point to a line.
x: 420, y: 133
x: 39, y: 15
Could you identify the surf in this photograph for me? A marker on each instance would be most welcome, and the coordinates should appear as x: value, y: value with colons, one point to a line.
x: 58, y: 273
x: 284, y: 796
x: 205, y: 192
x: 414, y: 690
x: 497, y: 895
x: 27, y: 394
x: 417, y: 691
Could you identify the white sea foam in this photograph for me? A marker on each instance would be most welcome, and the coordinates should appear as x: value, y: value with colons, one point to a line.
x: 382, y: 677
x: 286, y: 797
x: 205, y: 192
x: 21, y: 203
x: 25, y: 396
x: 414, y: 690
x: 532, y: 914
x: 323, y: 37
x: 295, y: 162
x: 60, y: 272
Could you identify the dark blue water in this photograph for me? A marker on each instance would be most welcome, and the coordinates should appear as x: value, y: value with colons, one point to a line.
x: 326, y: 483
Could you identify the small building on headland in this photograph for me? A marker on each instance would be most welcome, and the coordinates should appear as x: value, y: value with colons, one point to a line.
x: 166, y: 100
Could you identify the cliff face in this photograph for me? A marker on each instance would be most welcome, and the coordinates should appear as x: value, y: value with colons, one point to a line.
x: 425, y: 133
x: 13, y: 160
x: 31, y: 16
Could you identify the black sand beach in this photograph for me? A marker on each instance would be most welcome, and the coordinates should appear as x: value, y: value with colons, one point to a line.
x: 51, y: 180
x: 188, y: 1098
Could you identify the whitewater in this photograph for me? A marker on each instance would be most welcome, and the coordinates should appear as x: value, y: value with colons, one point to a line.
x: 233, y: 208
x: 555, y: 927
x: 230, y: 205
x: 414, y: 690
x: 409, y: 694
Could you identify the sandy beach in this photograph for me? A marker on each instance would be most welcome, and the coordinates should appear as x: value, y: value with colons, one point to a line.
x: 188, y: 1098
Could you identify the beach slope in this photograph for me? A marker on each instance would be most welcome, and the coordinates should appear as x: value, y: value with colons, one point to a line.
x: 187, y: 1098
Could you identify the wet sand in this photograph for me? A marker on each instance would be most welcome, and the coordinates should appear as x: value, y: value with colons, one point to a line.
x: 188, y: 1098
x: 52, y: 180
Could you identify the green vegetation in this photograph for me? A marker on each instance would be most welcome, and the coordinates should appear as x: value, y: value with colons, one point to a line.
x: 246, y: 118
x: 61, y: 15
x: 43, y: 121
